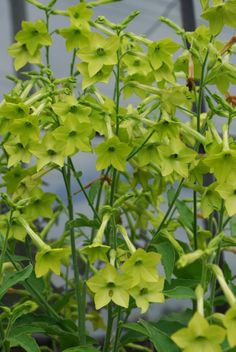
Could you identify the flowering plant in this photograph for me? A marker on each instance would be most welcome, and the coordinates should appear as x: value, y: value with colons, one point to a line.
x: 155, y: 231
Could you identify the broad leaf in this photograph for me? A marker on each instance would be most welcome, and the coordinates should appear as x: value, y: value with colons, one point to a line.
x: 15, y: 278
x: 27, y: 342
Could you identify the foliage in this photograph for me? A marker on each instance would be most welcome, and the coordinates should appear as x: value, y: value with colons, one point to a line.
x: 152, y: 145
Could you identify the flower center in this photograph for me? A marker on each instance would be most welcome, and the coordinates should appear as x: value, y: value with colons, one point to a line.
x: 100, y: 51
x: 111, y: 149
x: 138, y: 262
x: 20, y: 145
x: 174, y: 156
x: 73, y: 109
x: 72, y: 133
x: 51, y: 152
x: 137, y: 62
x: 110, y: 284
x: 27, y: 124
x: 144, y: 291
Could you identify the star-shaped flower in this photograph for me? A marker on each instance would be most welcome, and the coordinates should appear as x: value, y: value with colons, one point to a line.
x: 99, y: 51
x: 109, y: 285
x: 112, y: 152
x: 50, y: 259
x: 148, y: 292
x: 199, y: 336
x: 34, y: 35
x: 141, y: 266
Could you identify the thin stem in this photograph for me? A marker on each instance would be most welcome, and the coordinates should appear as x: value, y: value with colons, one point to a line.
x: 217, y: 260
x: 135, y: 151
x: 47, y: 14
x: 106, y: 347
x: 72, y: 63
x: 34, y: 292
x: 81, y: 324
x: 168, y: 211
x: 5, y: 243
x: 195, y: 219
x: 118, y: 331
x: 83, y: 190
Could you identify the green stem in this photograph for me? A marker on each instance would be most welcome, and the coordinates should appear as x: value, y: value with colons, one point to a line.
x: 72, y: 63
x: 47, y: 14
x: 34, y: 292
x: 5, y: 244
x: 217, y: 261
x: 195, y: 220
x: 118, y: 331
x: 83, y: 189
x: 106, y: 347
x: 81, y: 318
x: 168, y: 211
x: 135, y: 151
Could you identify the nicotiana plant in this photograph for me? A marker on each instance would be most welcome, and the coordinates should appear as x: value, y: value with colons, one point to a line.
x: 156, y: 231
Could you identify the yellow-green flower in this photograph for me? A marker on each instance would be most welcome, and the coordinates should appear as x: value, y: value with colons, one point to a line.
x: 99, y: 51
x: 148, y: 292
x: 141, y: 266
x: 109, y: 285
x: 199, y: 336
x: 229, y: 321
x: 50, y: 259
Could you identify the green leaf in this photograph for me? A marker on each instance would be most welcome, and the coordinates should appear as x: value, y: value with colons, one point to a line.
x: 81, y: 349
x: 185, y: 214
x: 25, y: 341
x: 83, y: 221
x: 205, y: 4
x: 167, y: 257
x: 15, y: 278
x: 180, y: 293
x: 233, y: 226
x: 94, y: 190
x: 160, y: 340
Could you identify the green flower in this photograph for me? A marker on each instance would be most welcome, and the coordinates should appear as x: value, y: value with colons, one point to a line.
x: 199, y: 336
x: 227, y: 191
x: 96, y: 251
x: 148, y: 292
x: 14, y: 111
x: 74, y: 136
x: 112, y: 152
x: 103, y: 75
x: 26, y: 129
x: 141, y: 266
x: 69, y: 107
x: 80, y: 14
x: 22, y: 55
x: 40, y: 204
x: 175, y: 157
x: 13, y: 176
x: 109, y: 285
x: 16, y: 230
x: 135, y: 64
x: 50, y: 259
x: 99, y: 51
x: 76, y: 35
x: 221, y: 14
x: 222, y: 164
x: 229, y: 321
x: 34, y: 35
x: 48, y: 151
x: 210, y: 200
x: 17, y: 151
x: 161, y: 52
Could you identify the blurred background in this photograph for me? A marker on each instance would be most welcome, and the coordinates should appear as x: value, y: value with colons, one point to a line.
x: 185, y: 13
x: 12, y: 12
